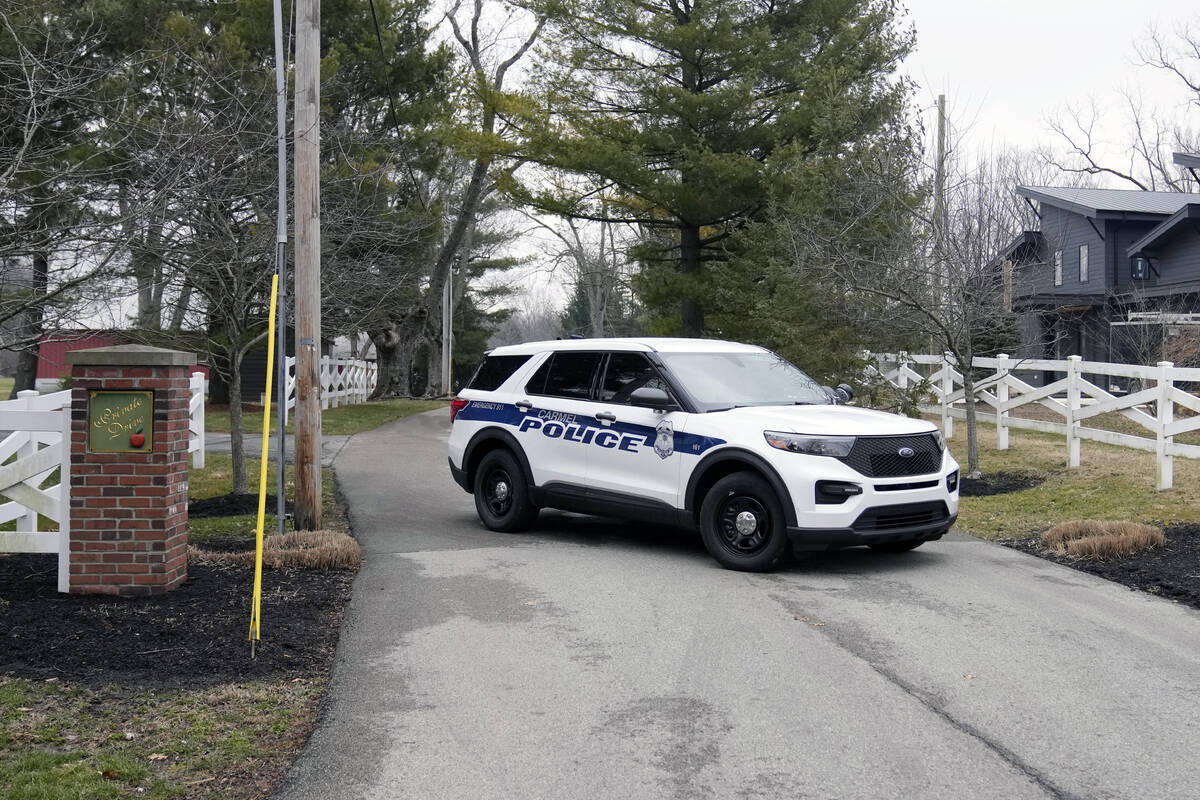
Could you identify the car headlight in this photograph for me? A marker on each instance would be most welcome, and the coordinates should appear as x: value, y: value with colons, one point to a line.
x: 834, y: 446
x: 940, y: 438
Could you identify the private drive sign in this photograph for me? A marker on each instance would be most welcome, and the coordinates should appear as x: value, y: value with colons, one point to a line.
x: 120, y: 422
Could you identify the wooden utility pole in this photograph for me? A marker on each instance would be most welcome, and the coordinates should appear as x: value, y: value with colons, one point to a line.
x: 281, y: 234
x: 942, y: 274
x: 308, y: 265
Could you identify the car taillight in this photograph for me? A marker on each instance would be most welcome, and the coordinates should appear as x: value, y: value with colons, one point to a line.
x: 457, y: 405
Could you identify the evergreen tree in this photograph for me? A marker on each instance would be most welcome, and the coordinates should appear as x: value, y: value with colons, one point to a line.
x: 680, y: 109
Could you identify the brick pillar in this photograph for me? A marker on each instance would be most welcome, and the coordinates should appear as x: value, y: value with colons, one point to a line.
x: 129, y: 509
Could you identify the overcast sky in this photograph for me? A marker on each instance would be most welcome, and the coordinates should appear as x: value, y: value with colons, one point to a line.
x: 1008, y: 65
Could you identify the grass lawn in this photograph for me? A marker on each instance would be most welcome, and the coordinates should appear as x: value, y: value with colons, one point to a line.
x: 229, y: 741
x: 216, y: 479
x: 343, y: 420
x: 1112, y: 483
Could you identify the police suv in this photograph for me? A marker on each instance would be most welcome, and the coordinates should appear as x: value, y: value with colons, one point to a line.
x: 728, y: 438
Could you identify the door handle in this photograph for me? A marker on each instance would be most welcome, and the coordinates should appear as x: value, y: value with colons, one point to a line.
x: 605, y: 416
x: 524, y: 405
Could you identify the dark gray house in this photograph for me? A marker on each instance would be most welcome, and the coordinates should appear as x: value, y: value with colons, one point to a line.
x: 1106, y: 268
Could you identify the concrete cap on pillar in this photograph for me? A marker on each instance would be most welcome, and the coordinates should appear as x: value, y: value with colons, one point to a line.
x: 131, y: 355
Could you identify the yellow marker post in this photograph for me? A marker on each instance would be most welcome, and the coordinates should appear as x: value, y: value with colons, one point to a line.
x: 256, y: 600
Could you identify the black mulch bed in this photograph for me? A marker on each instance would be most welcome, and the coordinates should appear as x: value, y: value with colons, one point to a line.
x: 998, y: 483
x: 193, y: 636
x: 1171, y: 571
x: 233, y: 505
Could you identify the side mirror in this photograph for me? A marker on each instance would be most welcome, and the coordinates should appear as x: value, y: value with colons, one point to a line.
x: 841, y: 395
x: 649, y: 397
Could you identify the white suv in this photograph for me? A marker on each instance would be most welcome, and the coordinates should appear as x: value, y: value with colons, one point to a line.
x: 728, y: 438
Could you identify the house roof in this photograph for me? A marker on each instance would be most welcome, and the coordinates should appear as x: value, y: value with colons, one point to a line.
x: 1168, y: 229
x: 1189, y: 160
x: 1107, y: 202
x: 1025, y: 247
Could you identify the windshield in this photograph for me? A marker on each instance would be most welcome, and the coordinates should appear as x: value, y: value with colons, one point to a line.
x: 717, y: 381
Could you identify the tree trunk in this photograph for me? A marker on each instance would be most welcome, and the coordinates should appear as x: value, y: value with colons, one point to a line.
x: 433, y: 367
x: 237, y: 445
x: 691, y: 312
x: 386, y: 344
x: 31, y: 328
x: 181, y: 307
x: 596, y: 291
x: 26, y: 377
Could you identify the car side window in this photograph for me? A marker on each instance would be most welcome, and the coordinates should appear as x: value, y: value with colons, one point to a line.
x: 626, y: 373
x: 495, y: 370
x: 565, y: 375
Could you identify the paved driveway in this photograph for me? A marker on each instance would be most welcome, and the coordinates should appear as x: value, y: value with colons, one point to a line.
x: 592, y: 659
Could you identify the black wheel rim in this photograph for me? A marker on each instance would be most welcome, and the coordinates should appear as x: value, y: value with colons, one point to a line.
x: 733, y: 524
x: 498, y: 491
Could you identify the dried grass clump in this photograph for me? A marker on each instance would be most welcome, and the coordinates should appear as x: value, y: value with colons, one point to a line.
x: 308, y: 549
x: 1101, y: 539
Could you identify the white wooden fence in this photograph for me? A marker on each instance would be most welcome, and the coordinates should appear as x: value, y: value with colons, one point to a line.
x: 39, y: 443
x: 199, y: 391
x: 1074, y: 397
x: 344, y: 382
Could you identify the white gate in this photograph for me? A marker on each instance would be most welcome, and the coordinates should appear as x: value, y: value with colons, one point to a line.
x: 39, y: 443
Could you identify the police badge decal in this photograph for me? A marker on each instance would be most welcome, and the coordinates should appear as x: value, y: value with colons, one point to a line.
x: 664, y: 439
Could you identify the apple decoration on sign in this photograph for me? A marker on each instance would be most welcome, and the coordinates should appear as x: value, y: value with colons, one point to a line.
x: 137, y: 438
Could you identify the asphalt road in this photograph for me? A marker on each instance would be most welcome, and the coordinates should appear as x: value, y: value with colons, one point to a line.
x: 593, y: 659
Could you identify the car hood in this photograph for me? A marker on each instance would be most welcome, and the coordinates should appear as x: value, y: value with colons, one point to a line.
x: 830, y: 420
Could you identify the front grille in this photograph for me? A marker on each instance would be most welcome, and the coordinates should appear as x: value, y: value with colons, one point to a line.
x: 886, y: 518
x: 879, y: 456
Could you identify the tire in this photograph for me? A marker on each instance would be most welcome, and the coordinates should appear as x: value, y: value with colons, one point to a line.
x: 735, y: 546
x: 502, y: 495
x: 897, y: 547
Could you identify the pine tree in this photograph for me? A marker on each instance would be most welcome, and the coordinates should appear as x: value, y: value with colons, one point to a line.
x: 679, y: 108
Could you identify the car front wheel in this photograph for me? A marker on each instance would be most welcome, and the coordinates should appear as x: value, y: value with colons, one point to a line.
x: 742, y: 523
x: 502, y: 495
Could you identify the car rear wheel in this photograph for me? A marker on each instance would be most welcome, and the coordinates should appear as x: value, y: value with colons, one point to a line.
x: 502, y: 495
x: 742, y: 523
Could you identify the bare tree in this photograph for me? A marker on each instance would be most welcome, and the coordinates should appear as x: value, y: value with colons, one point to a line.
x: 489, y: 63
x: 220, y: 218
x: 535, y: 318
x: 58, y: 232
x: 594, y: 258
x: 933, y: 281
x: 1144, y: 160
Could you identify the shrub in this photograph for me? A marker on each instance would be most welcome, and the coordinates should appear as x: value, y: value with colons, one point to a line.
x: 310, y: 549
x: 1101, y: 539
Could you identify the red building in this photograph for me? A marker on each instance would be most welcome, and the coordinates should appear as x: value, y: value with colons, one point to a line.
x: 53, y: 347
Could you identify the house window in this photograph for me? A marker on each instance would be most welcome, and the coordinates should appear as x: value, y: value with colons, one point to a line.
x: 1083, y: 263
x: 1058, y: 267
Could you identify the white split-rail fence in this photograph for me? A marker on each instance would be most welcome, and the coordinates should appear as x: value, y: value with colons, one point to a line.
x: 344, y: 382
x: 38, y: 442
x: 1074, y: 397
